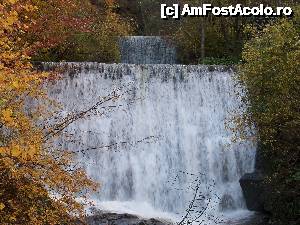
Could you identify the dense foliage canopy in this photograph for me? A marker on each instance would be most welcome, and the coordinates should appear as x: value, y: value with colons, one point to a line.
x: 271, y: 75
x: 39, y: 184
x: 70, y: 30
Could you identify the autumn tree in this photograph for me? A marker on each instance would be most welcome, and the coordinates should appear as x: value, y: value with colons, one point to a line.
x: 76, y: 30
x: 38, y: 183
x: 271, y: 76
x: 101, y: 43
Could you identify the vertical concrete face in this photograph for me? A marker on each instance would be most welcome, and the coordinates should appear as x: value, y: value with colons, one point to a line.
x: 147, y: 50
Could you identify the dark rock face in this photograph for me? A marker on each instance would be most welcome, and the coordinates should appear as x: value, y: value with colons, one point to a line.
x: 253, y: 190
x: 121, y: 219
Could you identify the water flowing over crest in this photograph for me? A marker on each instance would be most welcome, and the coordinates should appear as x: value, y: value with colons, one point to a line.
x: 161, y: 142
x: 147, y: 50
x: 165, y: 132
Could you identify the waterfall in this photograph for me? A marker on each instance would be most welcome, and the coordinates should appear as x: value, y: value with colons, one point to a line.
x: 147, y: 50
x: 165, y: 135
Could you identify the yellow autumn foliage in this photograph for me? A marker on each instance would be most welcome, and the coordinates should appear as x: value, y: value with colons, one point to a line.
x: 30, y: 167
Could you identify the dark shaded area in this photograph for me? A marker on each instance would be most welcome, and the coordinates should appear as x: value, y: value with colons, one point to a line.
x: 253, y: 190
x: 106, y: 218
x: 121, y: 219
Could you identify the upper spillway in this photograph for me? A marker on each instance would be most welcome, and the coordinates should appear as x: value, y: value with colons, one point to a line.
x: 147, y: 50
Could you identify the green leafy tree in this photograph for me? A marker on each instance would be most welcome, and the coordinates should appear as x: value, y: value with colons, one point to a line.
x: 271, y: 75
x: 202, y: 39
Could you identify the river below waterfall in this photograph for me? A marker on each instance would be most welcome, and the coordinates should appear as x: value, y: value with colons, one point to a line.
x: 159, y: 147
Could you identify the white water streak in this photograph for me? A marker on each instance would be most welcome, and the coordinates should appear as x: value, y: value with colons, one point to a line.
x: 185, y: 106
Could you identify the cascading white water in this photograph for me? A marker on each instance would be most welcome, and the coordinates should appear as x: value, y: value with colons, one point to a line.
x: 182, y: 109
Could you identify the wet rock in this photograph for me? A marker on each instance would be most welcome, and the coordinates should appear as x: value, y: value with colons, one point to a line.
x: 105, y: 218
x: 253, y: 190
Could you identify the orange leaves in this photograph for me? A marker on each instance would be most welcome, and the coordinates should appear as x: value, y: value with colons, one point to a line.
x: 16, y: 150
x: 12, y: 18
x: 29, y: 8
x: 56, y: 20
x: 11, y: 1
x: 3, y: 150
x: 22, y: 150
x: 110, y: 3
x: 15, y: 84
x: 7, y: 116
x: 29, y: 167
x: 8, y: 17
x: 2, y: 206
x: 25, y: 150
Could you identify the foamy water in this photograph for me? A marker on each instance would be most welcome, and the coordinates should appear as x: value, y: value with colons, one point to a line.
x: 183, y: 109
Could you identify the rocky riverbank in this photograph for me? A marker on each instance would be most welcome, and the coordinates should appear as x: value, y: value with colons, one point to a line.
x: 107, y: 218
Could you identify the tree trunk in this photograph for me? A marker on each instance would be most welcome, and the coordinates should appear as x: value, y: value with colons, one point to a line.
x: 202, y: 39
x: 141, y: 19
